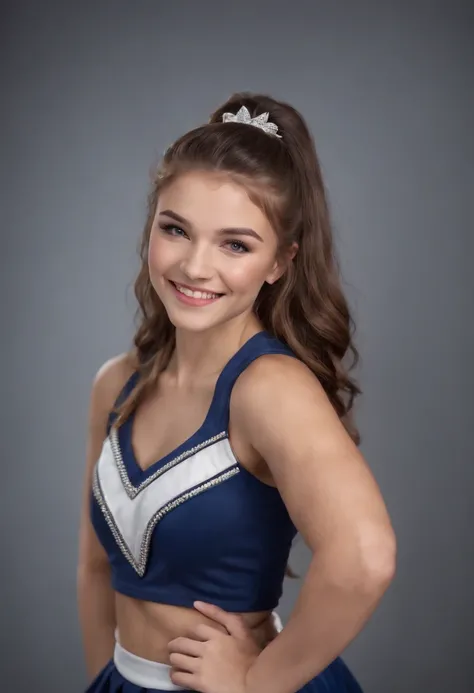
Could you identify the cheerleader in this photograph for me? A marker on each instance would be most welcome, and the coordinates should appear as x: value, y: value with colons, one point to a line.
x: 227, y: 429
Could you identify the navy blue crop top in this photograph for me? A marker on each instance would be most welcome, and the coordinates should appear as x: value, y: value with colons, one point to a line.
x: 196, y: 525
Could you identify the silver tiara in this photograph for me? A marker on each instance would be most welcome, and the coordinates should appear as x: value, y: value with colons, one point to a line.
x: 260, y: 121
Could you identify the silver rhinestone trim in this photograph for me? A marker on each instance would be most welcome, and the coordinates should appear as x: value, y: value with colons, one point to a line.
x: 140, y: 567
x: 133, y: 491
x: 98, y: 495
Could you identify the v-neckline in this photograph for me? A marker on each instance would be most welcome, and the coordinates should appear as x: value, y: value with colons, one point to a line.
x: 135, y: 472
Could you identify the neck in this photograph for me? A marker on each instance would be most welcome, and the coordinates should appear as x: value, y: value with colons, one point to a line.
x: 199, y: 355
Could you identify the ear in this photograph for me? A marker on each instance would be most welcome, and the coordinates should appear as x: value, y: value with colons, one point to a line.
x: 281, y: 264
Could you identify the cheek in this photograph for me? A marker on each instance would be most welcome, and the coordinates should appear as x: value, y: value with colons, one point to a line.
x: 158, y: 254
x: 248, y: 274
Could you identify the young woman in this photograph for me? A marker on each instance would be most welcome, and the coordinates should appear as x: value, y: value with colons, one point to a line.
x: 227, y: 430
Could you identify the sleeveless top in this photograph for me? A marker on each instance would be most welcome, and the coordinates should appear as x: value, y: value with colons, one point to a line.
x: 196, y: 525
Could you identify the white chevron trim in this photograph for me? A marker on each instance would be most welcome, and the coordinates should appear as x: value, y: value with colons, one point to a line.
x: 132, y: 520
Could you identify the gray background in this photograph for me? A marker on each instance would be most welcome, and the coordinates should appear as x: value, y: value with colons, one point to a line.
x: 92, y: 92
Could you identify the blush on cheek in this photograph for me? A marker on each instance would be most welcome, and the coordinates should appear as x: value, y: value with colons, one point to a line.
x: 156, y: 269
x: 153, y: 247
x: 247, y: 278
x: 159, y: 259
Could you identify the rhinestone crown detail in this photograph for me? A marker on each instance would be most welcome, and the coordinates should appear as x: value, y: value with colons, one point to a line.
x: 260, y: 121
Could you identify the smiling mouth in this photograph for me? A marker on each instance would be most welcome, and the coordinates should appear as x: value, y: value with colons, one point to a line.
x: 192, y: 293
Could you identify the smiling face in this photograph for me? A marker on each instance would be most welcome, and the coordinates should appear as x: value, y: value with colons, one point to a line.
x: 210, y: 251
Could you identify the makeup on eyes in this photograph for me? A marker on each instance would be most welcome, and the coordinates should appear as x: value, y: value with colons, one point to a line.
x: 243, y: 247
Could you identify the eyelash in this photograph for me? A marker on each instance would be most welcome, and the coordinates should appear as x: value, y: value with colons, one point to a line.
x: 167, y: 228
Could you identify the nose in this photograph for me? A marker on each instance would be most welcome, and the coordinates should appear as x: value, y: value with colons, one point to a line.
x: 196, y: 264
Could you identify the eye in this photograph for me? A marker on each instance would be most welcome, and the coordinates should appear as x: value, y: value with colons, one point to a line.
x: 238, y: 247
x: 171, y: 228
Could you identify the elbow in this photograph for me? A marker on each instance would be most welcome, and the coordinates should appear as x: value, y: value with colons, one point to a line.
x: 378, y: 560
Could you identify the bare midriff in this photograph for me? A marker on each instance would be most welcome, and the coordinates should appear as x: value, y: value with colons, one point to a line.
x: 146, y: 628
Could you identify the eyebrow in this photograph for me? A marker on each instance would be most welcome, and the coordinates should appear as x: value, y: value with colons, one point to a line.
x: 231, y: 230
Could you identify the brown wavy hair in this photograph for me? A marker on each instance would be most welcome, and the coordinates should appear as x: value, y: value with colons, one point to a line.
x: 306, y: 308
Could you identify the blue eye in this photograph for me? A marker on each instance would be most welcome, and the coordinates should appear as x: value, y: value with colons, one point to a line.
x: 238, y: 247
x: 168, y: 228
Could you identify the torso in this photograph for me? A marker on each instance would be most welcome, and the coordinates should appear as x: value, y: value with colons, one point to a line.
x: 160, y: 425
x: 146, y: 628
x: 163, y: 422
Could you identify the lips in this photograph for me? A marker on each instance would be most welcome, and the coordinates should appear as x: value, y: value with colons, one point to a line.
x: 194, y: 300
x: 212, y: 294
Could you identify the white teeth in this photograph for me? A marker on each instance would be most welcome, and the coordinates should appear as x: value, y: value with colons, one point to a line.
x: 195, y: 294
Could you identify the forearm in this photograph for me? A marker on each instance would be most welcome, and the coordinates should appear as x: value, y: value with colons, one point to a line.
x: 328, y: 614
x: 97, y: 617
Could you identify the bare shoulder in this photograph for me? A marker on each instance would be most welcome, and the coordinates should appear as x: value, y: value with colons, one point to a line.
x: 279, y: 381
x: 280, y: 397
x: 284, y: 413
x: 108, y: 382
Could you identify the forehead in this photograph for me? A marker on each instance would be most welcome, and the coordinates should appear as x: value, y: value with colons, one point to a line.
x: 212, y: 200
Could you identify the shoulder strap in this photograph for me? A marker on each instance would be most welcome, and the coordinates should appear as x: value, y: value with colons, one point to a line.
x: 258, y: 345
x: 124, y: 393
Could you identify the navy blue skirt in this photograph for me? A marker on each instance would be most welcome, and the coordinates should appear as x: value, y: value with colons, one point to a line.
x: 336, y: 678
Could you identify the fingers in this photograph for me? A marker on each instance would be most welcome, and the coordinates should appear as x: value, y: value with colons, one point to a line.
x: 183, y: 679
x: 232, y: 622
x: 182, y: 662
x: 186, y: 646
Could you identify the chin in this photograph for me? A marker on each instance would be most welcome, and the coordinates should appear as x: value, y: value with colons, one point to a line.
x: 200, y: 322
x: 191, y: 323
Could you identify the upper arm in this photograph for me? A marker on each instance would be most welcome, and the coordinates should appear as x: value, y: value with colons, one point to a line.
x: 324, y: 481
x: 106, y: 387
